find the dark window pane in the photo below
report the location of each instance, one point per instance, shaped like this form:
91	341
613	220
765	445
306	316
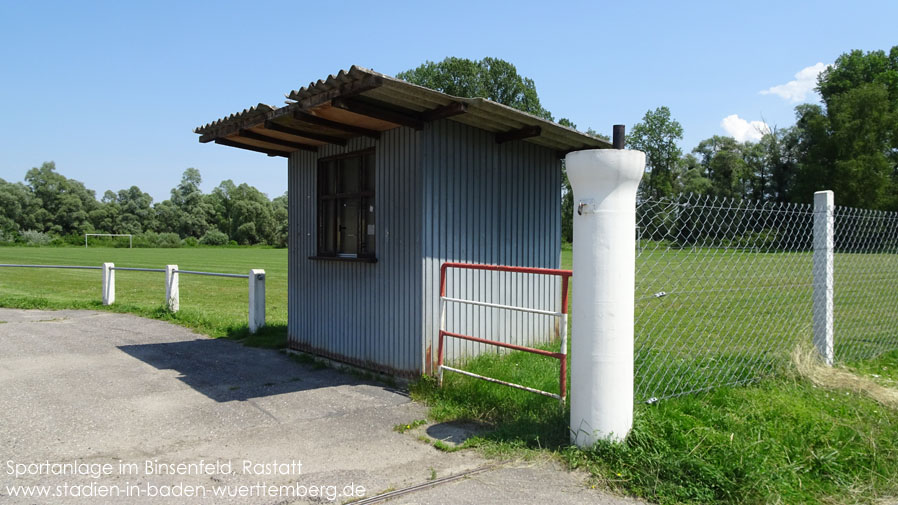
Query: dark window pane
327	238
332	175
368	227
369	173
348	226
350	172
346	221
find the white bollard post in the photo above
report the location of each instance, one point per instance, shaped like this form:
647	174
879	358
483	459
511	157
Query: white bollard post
108	283
256	299
823	274
604	182
172	295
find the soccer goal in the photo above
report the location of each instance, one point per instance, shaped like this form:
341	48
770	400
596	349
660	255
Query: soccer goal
130	237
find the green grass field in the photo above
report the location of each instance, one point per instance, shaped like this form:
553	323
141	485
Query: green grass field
214	305
727	317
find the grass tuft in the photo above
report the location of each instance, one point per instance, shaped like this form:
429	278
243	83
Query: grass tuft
808	434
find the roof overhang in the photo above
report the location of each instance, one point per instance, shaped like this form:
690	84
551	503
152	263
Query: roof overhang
361	102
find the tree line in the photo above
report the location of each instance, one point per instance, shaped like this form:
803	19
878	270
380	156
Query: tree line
48	205
848	142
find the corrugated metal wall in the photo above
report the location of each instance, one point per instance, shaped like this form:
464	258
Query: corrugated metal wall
489	203
367	314
447	193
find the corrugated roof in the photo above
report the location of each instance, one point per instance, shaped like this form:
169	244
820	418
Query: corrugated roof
252	114
322	99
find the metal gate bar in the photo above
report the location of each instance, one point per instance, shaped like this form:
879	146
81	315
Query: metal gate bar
561	356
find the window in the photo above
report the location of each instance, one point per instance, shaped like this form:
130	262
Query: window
346	205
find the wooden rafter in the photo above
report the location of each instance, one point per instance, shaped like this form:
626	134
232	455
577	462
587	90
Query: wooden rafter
380	111
274	140
240	145
519	134
452	109
330	139
305	117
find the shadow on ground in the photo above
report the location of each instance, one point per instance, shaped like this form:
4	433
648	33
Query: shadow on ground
225	370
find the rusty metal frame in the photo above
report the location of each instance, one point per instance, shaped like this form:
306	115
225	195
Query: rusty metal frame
562	314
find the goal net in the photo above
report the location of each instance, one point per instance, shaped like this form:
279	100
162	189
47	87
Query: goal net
108	239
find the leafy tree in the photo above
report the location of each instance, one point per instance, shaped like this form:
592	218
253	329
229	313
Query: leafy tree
731	169
693	177
106	216
166	217
18	208
136	209
657	135
780	163
192	209
221	204
279	214
252	220
214	237
65	204
491	78
851	142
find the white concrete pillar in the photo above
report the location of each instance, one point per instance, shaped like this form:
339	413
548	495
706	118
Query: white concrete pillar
172	295
108	283
824	206
256	299
604	182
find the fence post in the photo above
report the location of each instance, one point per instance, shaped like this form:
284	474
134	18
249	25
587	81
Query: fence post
823	274
172	296
256	299
108	283
604	182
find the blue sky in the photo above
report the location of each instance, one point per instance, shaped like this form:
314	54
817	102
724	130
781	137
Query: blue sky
111	91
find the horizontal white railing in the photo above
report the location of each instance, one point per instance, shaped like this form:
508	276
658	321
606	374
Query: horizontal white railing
172	292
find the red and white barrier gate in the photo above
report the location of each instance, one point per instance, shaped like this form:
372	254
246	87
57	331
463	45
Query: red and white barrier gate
563	315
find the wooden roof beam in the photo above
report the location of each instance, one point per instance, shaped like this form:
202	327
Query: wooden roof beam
519	134
278	127
239	145
453	109
378	111
274	140
305	117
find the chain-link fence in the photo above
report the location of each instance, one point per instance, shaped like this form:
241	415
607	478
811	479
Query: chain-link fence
866	283
725	289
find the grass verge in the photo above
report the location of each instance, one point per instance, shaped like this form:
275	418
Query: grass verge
211	305
809	434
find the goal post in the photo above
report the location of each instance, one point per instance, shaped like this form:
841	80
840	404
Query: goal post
130	237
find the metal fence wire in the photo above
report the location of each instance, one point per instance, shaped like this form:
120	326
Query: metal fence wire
865	297
724	289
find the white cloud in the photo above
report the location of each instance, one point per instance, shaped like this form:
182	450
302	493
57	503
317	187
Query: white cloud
798	90
743	130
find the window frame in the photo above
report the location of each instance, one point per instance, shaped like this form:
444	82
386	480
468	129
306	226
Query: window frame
362	196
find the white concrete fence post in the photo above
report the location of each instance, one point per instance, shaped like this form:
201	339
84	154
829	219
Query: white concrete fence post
108	283
172	295
256	299
604	182
824	225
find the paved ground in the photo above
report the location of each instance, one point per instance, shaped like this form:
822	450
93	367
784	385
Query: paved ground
86	389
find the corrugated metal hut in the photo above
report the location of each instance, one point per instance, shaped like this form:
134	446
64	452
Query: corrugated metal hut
387	180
